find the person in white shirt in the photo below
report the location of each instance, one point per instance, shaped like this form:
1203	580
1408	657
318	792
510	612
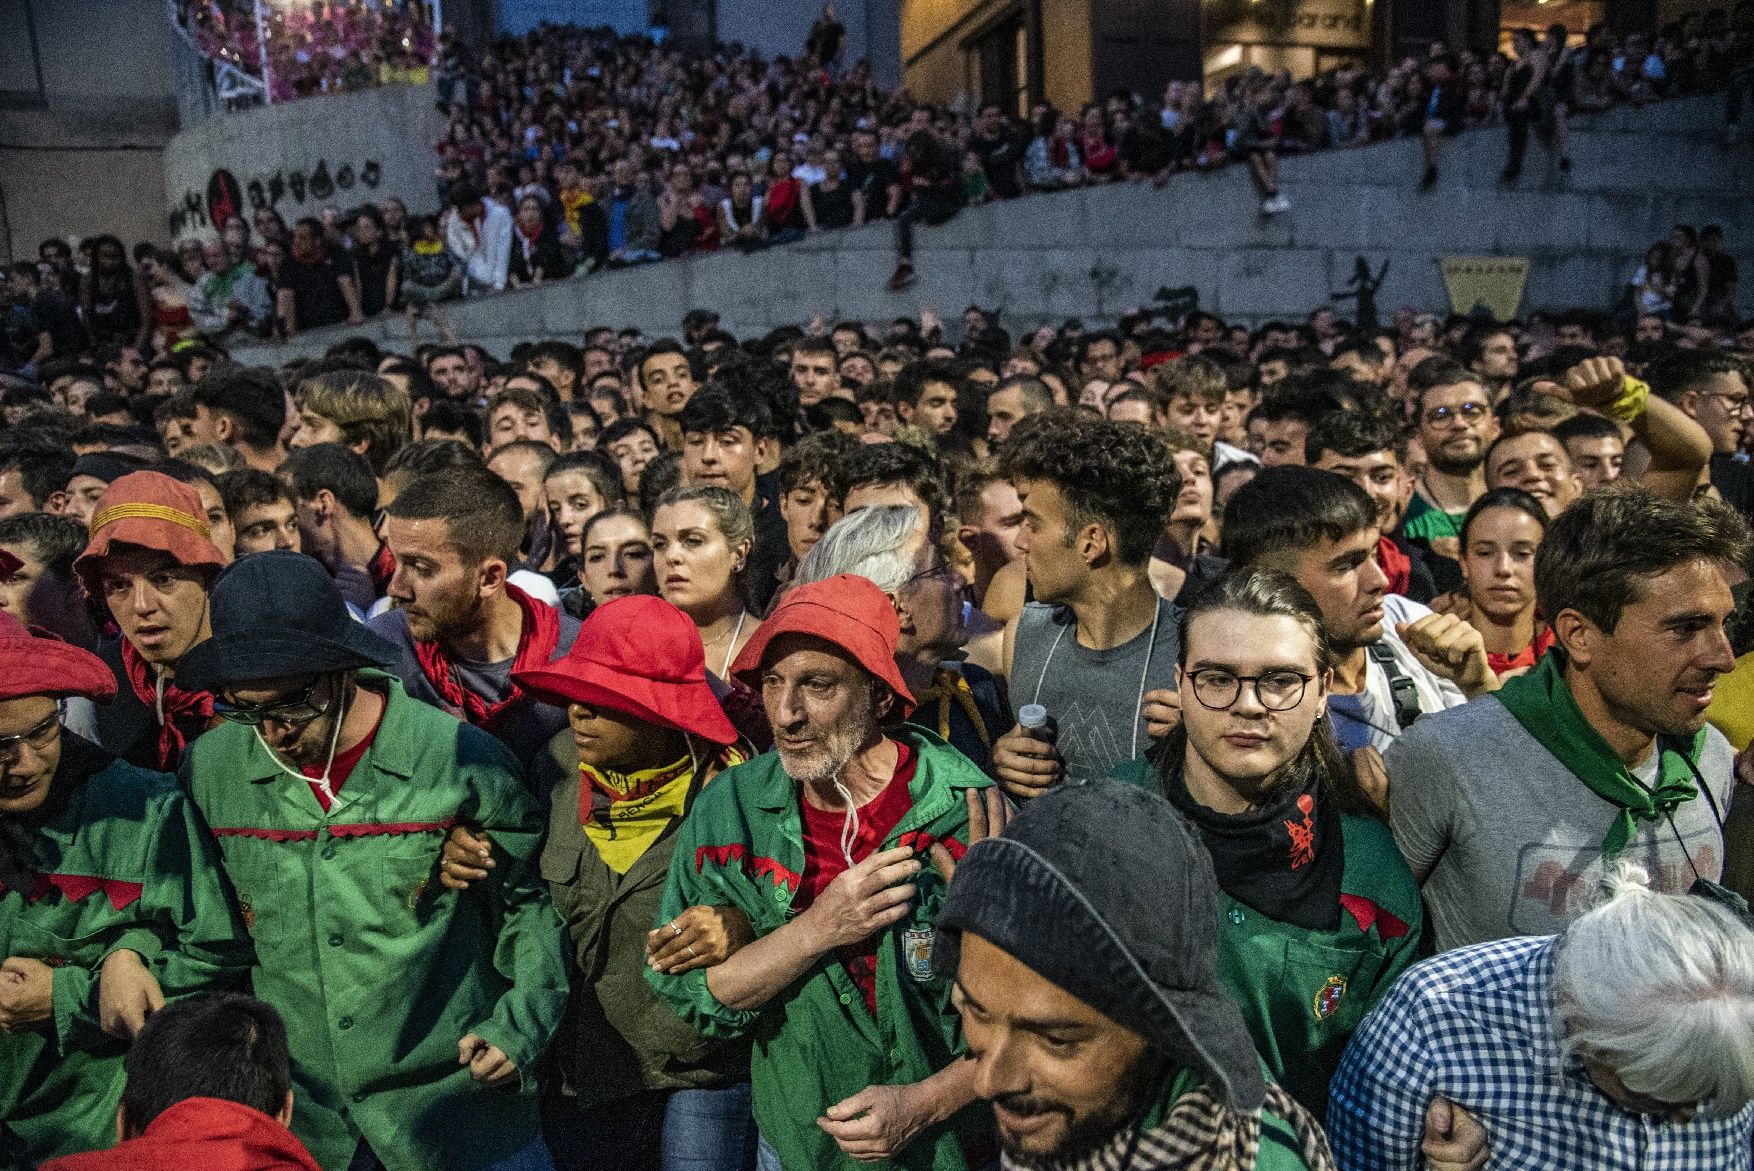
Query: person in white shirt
479	231
1394	659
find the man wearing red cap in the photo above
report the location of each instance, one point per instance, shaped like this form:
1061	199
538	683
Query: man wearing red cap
110	903
856	1048
150	563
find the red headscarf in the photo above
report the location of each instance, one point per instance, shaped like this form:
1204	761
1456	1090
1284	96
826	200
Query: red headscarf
536	643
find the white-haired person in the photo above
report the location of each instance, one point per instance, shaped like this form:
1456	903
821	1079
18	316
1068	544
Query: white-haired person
891	547
1627	1041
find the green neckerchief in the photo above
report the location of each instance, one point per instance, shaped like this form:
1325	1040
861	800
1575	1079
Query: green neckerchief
1543	704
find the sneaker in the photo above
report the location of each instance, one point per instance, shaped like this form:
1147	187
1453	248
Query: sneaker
904	276
1267	205
1430	179
1508	177
1280	203
1732	135
1565	164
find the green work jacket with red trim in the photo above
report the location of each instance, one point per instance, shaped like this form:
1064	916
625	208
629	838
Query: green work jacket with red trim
1303	992
816	1044
378	969
124	865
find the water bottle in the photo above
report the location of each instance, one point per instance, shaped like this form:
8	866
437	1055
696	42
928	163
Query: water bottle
1033	718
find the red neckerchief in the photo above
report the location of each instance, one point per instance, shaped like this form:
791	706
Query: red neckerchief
536	643
382	568
177	704
1395	565
528	238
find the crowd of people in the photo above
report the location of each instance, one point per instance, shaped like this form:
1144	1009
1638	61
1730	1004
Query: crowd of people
316	46
1171	745
570	150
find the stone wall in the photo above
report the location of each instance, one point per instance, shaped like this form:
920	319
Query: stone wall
368	145
1095	253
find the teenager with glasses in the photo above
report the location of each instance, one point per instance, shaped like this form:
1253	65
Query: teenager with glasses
1317	912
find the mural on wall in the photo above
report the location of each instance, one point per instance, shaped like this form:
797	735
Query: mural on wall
226	197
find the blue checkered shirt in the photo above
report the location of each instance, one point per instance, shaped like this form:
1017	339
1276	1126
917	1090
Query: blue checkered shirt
1476	1025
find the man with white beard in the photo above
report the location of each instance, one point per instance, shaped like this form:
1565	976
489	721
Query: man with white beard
857	1054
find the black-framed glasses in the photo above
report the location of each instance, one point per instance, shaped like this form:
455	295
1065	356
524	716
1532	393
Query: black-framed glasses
1278	691
1468	412
288	709
943	569
38	736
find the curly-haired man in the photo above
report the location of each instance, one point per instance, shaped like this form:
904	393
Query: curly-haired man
1096	646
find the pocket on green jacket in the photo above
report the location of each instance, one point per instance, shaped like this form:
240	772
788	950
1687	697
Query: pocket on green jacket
1333	983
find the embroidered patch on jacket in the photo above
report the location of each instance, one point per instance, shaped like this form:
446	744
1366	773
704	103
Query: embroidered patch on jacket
1303	833
1328	997
916	945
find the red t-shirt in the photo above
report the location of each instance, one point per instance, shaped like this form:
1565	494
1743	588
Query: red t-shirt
344	764
823	861
1525	657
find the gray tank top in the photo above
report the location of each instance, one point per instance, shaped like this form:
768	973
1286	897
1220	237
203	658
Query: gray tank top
1092	695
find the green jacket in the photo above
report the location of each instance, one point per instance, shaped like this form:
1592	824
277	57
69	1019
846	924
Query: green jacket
816	1044
1303	992
619	1036
125	866
377	968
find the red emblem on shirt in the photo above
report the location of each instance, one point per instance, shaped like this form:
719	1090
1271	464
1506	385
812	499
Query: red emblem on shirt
1303	834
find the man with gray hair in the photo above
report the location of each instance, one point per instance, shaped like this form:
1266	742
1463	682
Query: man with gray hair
891	546
1620	1043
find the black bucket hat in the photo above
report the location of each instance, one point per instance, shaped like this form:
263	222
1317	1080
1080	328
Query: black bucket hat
1103	890
276	614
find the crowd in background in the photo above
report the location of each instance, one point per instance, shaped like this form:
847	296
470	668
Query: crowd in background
319	46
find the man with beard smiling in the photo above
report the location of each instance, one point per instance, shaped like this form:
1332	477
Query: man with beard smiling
1082	943
461	628
151	561
1509	810
415	1015
856	1050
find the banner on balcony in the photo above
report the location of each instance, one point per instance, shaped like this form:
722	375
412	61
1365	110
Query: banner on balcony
1485	285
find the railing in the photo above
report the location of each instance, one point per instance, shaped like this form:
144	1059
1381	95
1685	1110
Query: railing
234	75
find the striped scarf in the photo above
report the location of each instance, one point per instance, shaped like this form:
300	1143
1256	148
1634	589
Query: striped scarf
1200	1133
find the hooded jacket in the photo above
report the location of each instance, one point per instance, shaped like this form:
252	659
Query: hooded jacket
210	1133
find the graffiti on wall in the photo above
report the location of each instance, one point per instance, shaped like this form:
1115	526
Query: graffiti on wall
226	197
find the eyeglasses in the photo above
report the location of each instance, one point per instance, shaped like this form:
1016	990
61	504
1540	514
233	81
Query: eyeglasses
942	569
1277	691
1469	413
1735	404
37	736
288	709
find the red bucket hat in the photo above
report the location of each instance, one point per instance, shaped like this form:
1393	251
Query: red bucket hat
30	665
149	510
640	656
845	610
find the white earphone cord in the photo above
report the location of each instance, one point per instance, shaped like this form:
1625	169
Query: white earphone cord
321	782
